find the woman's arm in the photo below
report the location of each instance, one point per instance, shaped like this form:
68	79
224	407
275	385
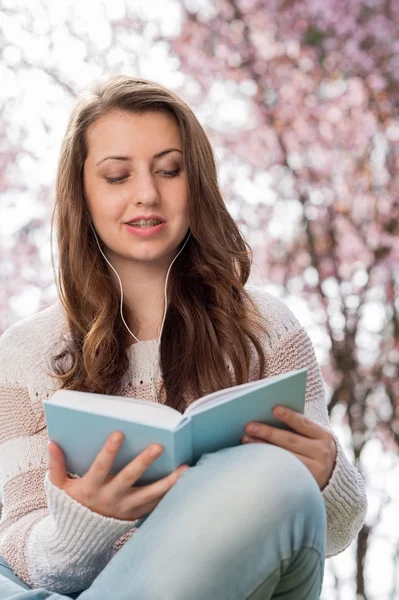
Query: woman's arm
288	348
344	495
49	539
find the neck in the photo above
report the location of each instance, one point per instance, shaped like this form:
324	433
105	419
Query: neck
143	293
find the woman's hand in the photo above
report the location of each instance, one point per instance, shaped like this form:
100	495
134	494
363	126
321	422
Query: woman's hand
313	444
113	495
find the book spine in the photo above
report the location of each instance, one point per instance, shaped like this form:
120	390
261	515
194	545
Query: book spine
183	444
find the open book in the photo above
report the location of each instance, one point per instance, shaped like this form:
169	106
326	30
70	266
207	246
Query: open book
80	422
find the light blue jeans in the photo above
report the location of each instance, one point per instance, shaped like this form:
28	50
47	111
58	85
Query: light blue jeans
245	523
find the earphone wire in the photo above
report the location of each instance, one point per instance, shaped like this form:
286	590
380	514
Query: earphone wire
153	387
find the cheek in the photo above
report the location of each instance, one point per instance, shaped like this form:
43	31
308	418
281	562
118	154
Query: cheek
181	214
106	205
180	203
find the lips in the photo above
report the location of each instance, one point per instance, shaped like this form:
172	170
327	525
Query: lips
146	218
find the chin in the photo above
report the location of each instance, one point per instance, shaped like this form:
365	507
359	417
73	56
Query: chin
150	257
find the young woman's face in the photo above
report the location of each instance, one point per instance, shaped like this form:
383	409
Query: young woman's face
144	183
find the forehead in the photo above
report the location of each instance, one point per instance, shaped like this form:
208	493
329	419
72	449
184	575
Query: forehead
136	133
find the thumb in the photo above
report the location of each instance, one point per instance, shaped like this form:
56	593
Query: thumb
56	465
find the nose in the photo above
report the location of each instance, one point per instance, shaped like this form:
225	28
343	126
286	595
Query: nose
145	191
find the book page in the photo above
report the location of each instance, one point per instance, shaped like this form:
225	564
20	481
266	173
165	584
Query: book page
228	393
128	409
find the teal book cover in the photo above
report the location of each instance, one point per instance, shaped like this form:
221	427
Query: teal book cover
80	423
222	425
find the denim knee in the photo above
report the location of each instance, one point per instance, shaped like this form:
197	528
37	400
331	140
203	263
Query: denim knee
270	485
228	523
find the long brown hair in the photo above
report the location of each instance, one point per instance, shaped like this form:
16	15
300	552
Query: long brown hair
210	321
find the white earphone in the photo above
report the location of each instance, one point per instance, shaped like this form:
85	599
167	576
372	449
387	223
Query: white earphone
154	393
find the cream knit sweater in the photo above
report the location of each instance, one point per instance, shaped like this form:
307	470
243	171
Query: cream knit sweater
52	541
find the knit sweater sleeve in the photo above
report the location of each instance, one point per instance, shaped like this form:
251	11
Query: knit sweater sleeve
288	347
48	538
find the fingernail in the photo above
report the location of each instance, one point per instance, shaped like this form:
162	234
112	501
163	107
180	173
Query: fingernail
253	428
116	437
156	451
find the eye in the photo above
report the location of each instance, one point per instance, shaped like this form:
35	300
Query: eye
115	179
120	179
171	173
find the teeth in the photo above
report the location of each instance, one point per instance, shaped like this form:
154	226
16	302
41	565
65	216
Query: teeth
145	223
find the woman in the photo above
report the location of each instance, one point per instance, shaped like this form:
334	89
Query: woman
154	305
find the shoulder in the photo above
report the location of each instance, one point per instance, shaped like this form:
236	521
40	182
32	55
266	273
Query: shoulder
27	343
279	321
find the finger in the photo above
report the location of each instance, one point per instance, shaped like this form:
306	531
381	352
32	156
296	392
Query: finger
309	462
56	465
300	423
156	491
285	439
142	511
247	439
135	469
99	470
173	477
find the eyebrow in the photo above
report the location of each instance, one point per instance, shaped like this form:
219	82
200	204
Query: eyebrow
125	158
